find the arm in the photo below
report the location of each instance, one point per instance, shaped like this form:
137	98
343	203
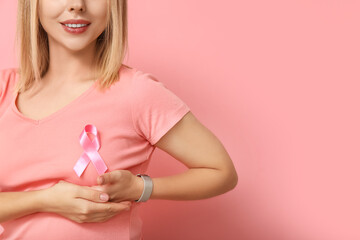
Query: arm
211	171
17	204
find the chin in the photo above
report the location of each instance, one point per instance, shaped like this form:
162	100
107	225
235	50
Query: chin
77	48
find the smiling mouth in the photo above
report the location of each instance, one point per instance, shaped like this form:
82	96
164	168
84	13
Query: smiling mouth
75	28
75	24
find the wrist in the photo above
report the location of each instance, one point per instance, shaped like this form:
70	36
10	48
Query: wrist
38	198
138	188
43	197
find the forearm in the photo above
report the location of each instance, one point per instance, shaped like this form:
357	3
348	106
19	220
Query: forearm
193	184
17	204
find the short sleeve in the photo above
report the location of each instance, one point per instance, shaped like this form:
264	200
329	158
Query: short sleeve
6	76
3	78
155	108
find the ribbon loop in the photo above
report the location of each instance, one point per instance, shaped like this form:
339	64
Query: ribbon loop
90	152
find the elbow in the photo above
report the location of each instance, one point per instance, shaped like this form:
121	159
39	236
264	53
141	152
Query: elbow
230	179
234	180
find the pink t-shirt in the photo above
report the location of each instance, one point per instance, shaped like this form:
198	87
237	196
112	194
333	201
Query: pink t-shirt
130	117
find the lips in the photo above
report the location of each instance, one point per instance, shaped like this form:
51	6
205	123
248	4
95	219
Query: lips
75	30
75	21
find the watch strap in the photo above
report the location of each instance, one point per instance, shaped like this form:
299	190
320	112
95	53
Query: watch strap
148	187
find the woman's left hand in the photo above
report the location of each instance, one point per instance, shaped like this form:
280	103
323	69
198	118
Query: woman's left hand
120	185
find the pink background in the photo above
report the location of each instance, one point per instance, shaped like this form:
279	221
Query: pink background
278	83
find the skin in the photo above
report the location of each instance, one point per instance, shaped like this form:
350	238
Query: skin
69	75
211	171
71	55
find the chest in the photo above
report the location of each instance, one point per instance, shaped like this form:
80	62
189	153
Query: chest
48	100
36	154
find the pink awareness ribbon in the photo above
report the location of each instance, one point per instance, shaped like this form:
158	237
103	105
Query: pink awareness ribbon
90	152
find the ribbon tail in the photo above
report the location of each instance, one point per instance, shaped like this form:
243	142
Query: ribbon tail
99	163
81	164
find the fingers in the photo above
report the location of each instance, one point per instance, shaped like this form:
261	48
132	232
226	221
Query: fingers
112	207
109	177
98	188
92	195
100	212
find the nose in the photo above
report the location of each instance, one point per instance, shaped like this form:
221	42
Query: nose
76	5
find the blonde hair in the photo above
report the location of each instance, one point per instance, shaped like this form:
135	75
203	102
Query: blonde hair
32	42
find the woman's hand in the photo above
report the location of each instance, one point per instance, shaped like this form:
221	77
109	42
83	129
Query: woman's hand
120	185
80	203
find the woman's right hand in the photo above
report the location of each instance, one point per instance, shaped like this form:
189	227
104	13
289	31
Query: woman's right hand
81	203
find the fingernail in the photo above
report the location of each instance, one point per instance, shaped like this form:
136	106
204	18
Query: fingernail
104	197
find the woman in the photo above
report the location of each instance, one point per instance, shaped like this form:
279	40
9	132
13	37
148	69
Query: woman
77	124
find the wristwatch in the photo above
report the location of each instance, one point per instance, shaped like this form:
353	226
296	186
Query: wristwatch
148	187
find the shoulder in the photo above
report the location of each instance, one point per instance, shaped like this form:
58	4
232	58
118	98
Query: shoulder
139	83
7	78
145	83
126	76
144	87
141	77
8	74
147	91
7	81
